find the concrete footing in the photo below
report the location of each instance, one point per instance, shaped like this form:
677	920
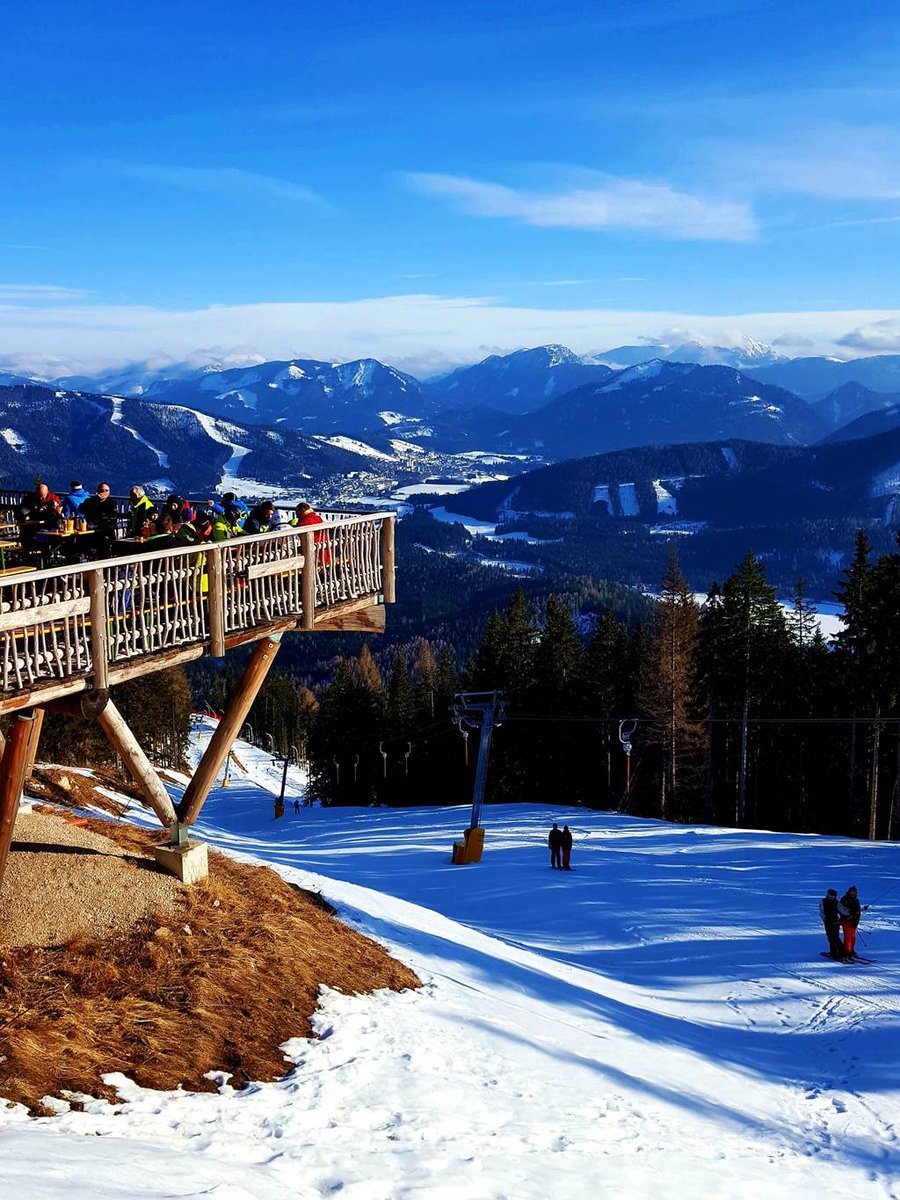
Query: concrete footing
188	862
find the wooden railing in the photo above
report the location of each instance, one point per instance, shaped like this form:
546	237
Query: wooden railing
85	627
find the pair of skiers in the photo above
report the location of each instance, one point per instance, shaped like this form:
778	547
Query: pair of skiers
560	843
841	916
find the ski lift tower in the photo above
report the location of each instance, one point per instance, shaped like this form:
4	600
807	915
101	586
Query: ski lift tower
477	710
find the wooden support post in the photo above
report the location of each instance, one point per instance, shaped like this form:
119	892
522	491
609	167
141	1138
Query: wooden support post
12	780
308	581
388	585
227	730
2	744
136	763
33	740
99	630
215	570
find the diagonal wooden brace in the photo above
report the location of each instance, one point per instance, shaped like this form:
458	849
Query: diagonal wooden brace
229	727
13	769
136	763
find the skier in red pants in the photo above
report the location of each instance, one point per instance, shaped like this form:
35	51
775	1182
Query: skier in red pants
849	910
566	844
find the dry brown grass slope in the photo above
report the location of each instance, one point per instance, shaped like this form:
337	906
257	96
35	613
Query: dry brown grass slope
214	977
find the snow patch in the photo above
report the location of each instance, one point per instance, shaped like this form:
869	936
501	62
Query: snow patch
15	440
628	502
665	501
356	447
886	482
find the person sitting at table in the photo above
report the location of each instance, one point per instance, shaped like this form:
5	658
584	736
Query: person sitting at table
262	519
163	538
305	514
143	512
77	495
198	530
101	515
38	513
227	524
238	503
175	507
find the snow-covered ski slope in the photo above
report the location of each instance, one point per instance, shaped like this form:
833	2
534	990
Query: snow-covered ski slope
656	1023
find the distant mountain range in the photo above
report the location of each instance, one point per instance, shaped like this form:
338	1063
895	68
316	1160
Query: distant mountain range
745	354
63	435
663	402
366	395
515	383
363	428
723	484
302	394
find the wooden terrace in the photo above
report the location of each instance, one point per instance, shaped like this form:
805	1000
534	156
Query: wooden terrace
68	634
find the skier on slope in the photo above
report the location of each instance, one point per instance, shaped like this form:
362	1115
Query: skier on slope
554	841
566	846
849	909
831	919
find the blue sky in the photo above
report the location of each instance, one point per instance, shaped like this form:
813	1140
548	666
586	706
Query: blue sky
431	183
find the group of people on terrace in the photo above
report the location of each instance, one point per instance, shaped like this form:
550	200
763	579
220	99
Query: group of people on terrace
47	522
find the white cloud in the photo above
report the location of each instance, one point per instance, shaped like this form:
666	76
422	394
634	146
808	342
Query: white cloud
611	203
841	162
409	329
224	180
42	293
880	337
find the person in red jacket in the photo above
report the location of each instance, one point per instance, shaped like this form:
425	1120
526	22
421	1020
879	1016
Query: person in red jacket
305	514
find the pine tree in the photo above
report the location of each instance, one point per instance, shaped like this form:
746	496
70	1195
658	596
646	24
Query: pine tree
553	744
401	704
558	663
349	726
424	677
855	649
603	689
447	682
802	623
745	646
669	694
366	671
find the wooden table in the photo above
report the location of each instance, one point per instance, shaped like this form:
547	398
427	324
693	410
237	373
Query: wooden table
6	544
54	538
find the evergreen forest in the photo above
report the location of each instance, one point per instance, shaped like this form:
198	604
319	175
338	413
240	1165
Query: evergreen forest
736	712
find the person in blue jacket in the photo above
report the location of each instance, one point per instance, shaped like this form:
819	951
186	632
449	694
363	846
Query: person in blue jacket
76	497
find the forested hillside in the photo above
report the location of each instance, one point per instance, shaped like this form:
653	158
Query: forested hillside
738	713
